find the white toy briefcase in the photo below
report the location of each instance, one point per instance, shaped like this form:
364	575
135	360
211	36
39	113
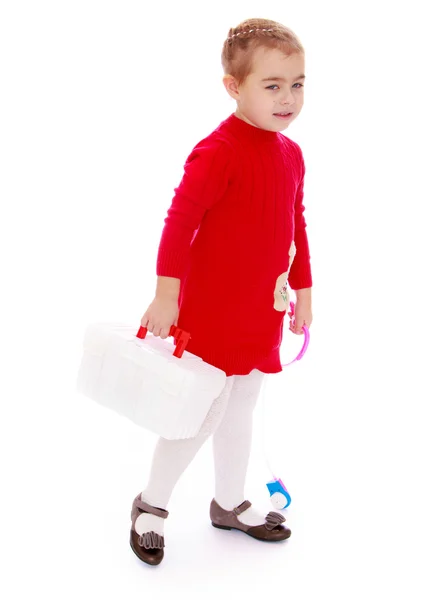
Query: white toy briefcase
163	389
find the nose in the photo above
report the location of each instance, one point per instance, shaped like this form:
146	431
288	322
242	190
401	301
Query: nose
286	97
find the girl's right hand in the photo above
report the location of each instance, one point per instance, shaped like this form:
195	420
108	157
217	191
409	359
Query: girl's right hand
160	316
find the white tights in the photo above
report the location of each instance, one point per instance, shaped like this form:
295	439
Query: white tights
230	421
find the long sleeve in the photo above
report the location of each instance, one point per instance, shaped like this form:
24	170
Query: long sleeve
231	223
300	275
207	173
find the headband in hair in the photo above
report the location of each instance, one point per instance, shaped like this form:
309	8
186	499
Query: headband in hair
250	31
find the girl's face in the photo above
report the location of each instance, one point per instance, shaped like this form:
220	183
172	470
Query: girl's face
275	85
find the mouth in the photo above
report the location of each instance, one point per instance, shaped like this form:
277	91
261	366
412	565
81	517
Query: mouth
283	115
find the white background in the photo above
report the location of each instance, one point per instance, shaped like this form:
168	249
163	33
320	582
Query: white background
101	103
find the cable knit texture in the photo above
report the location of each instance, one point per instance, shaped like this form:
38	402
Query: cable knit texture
227	236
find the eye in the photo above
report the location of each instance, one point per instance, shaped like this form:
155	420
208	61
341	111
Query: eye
276	86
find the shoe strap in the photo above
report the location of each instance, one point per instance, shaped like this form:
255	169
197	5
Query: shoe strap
242	507
152	510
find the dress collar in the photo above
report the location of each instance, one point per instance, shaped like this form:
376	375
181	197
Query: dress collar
245	131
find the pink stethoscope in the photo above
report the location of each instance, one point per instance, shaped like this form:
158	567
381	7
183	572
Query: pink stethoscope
280	498
305	341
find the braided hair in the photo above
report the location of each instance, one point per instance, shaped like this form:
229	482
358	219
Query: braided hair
242	42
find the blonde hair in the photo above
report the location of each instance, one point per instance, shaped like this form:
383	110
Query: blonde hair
243	41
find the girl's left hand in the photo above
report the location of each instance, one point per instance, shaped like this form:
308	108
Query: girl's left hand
302	316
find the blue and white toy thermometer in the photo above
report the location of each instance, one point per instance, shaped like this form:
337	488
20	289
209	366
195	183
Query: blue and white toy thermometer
280	498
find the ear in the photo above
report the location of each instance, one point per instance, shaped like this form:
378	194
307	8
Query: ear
231	86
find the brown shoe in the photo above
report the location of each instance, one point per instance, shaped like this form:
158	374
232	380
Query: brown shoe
149	546
270	531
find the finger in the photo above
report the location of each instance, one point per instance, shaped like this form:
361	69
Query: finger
298	329
156	331
163	334
144	321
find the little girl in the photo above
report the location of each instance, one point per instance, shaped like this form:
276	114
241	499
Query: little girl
233	239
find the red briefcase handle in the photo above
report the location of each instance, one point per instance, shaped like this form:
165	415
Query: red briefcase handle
181	338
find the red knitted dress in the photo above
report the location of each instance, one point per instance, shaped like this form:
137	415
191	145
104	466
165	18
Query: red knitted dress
229	235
